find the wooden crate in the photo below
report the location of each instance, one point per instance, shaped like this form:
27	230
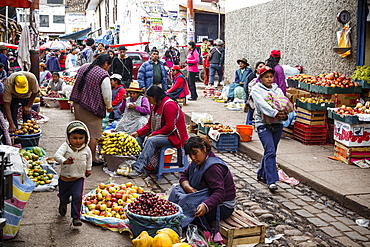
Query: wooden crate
310	117
241	228
288	132
350	154
181	101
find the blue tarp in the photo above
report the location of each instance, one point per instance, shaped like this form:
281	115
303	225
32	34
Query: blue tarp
75	35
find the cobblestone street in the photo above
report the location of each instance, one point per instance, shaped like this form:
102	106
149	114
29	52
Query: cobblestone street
305	217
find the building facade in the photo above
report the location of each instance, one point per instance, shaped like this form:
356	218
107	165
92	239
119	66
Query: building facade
304	31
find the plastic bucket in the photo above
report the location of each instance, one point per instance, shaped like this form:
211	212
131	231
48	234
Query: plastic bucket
27	141
245	132
64	105
168	156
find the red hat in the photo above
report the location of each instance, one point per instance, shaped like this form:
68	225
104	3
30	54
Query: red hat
266	69
275	53
176	67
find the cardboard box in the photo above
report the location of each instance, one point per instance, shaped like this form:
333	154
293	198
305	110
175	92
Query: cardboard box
294	93
345	99
352	135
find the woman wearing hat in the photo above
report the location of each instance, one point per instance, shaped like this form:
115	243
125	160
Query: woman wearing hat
279	77
240	76
135	109
118	95
269	132
180	87
45	75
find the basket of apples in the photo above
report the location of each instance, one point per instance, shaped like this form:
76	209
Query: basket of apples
104	206
150	212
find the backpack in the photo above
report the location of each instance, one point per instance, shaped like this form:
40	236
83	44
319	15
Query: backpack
82	57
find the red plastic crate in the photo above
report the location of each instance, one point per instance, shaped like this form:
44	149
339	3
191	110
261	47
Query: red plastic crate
311	134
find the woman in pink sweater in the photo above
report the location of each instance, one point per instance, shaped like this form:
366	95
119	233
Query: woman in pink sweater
192	61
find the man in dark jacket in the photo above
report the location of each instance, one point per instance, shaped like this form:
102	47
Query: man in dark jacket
53	63
216	61
122	65
152	72
3	58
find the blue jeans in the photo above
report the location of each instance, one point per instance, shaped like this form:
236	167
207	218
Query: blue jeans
150	146
270	139
74	189
212	72
14	105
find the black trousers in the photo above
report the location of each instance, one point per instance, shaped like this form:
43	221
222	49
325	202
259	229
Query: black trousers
191	84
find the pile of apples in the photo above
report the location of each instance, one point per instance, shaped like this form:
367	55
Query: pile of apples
219	127
359	109
333	79
109	200
314	100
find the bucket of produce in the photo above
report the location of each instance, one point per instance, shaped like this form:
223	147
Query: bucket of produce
245	132
151	213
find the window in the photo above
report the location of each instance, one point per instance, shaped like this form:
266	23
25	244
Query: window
58	19
136	58
44	21
24	17
55	1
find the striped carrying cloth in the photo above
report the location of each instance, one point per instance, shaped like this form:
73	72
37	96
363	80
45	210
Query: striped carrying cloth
13	211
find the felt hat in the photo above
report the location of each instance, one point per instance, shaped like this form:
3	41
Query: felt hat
275	53
176	67
266	69
243	60
116	76
21	84
134	87
43	65
2	47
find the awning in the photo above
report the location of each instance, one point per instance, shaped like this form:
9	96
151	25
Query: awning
16	3
75	35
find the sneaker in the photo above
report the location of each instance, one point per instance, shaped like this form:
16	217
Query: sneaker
62	209
76	222
136	174
273	187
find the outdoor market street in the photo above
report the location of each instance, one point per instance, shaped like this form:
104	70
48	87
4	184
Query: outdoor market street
304	216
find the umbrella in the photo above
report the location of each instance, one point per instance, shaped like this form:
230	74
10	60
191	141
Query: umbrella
24	58
9	46
56	45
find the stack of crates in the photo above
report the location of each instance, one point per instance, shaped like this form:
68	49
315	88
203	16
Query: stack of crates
228	142
310	134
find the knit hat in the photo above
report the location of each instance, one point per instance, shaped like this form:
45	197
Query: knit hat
21	84
134	87
75	126
275	53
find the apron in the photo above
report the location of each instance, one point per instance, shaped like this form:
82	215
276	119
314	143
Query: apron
132	120
116	113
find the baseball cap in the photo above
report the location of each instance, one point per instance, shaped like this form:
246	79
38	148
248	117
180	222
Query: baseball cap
275	53
116	76
176	67
266	69
21	84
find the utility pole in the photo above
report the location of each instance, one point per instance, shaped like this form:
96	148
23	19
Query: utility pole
190	21
34	23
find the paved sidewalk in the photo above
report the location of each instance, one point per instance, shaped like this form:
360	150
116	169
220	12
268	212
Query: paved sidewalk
347	184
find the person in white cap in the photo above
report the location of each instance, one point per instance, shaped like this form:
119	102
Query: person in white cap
119	94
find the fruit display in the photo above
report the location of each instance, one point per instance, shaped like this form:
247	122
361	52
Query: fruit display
333	79
314	100
37	174
119	143
28	128
35	115
359	109
109	200
164	237
149	204
34	153
219	127
53	94
362	73
68	80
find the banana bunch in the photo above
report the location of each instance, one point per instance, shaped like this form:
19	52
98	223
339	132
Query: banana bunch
124	170
119	143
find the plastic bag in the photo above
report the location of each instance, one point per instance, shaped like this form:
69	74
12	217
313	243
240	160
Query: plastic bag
198	117
344	39
193	236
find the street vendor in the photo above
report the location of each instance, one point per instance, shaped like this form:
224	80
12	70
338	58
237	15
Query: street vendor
135	109
21	88
240	78
56	84
166	127
206	187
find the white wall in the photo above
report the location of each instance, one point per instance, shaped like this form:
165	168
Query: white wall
51	11
231	5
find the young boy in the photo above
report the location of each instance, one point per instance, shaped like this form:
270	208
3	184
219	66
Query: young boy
118	95
3	73
75	157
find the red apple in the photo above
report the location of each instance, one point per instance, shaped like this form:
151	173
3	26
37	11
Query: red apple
109	204
118	195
